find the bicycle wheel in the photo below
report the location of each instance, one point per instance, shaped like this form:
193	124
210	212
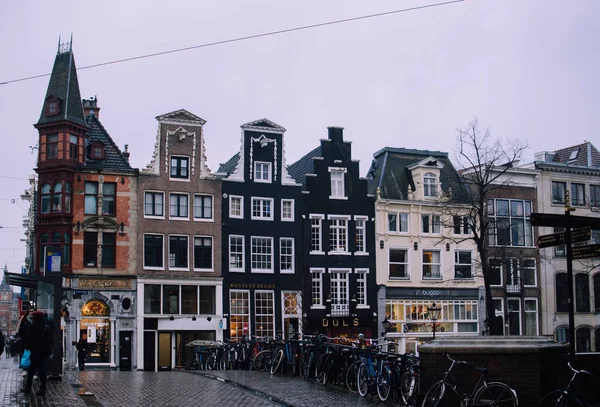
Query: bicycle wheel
352	377
277	361
362	379
409	387
383	383
262	362
556	398
434	395
495	394
320	367
305	365
211	361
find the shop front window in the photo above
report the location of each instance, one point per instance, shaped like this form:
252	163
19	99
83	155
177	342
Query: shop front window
95	328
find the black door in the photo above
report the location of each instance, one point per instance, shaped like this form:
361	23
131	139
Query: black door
149	351
125	339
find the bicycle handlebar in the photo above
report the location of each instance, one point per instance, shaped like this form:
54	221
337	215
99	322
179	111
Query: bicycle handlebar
579	371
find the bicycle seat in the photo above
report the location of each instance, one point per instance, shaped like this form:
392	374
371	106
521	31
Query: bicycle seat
483	370
345	350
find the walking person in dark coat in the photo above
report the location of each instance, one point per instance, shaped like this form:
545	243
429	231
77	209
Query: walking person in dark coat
26	320
82	349
39	341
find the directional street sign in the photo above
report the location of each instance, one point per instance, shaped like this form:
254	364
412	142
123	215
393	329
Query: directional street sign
558	239
581	234
586	252
558	220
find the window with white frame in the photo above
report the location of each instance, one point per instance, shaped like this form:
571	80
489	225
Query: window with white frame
595	201
264	313
513	275
361	288
397	222
316	233
510	222
338	234
236	207
398	261
337	182
463	264
286	254
178	204
558	192
203	253
287	210
154	204
291	304
236	253
239	312
577	194
514	316
262	208
429	185
153	251
431	223
529	274
203	207
339	291
361	234
495	272
460	225
499	312
431	264
178	252
261	254
179	167
317	287
531	317
262	171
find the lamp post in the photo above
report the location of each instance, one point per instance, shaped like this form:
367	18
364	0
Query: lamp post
434	314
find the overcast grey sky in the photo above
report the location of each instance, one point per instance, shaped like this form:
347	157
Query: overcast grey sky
527	68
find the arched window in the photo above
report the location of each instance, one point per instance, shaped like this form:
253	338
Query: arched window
562	293
582	340
57	198
582	293
45	198
67	195
597	296
562	334
429	185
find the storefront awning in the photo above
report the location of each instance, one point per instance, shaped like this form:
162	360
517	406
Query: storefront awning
21	280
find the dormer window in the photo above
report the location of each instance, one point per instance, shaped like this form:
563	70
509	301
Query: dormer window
429	185
338	190
574	154
52	106
179	167
97	151
262	171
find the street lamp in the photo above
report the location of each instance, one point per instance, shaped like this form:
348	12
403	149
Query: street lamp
434	314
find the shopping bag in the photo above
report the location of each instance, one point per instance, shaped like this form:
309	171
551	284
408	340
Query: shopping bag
26	359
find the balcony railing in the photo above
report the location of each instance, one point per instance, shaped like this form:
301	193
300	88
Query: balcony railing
340	310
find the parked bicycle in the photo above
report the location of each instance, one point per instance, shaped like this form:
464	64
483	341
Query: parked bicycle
483	393
569	397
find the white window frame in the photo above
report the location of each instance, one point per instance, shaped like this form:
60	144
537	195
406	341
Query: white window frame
463	219
187	159
281	255
399	216
212	208
163	205
431	217
245	294
144	252
212	253
297	312
508	312
432	264
457	263
291	218
180	218
362	278
501	272
319	218
237	269
364	219
257	270
525	312
407	269
339	277
241	198
534	269
342	229
339	194
427	185
262	201
316	274
269	172
187	254
267	317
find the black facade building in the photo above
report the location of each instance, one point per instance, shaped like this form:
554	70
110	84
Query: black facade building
339	246
262	237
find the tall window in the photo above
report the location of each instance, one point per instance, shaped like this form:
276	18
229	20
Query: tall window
178	252
582	340
431	223
152	298
577	194
236	208
397	222
45	198
531	318
514	316
582	293
264	313
154	204
461	225
236	253
109	249
208	299
317	287
239	312
203	253
398	263
316	237
153	251
262	171
52	146
463	264
91	198
178	204
109	197
287	210
338	235
90	249
431	264
203	207
73	147
562	292
558	192
429	187
337	183
529	274
361	287
361	234
597	295
595	199
286	255
67	197
510	222
495	272
262	254
189	299
560	251
339	293
179	167
262	208
170	299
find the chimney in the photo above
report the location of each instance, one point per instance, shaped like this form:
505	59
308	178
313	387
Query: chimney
336	133
126	152
90	107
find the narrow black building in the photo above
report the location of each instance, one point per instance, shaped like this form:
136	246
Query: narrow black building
262	285
339	246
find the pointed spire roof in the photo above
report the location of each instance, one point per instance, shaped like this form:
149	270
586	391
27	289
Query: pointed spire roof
63	88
